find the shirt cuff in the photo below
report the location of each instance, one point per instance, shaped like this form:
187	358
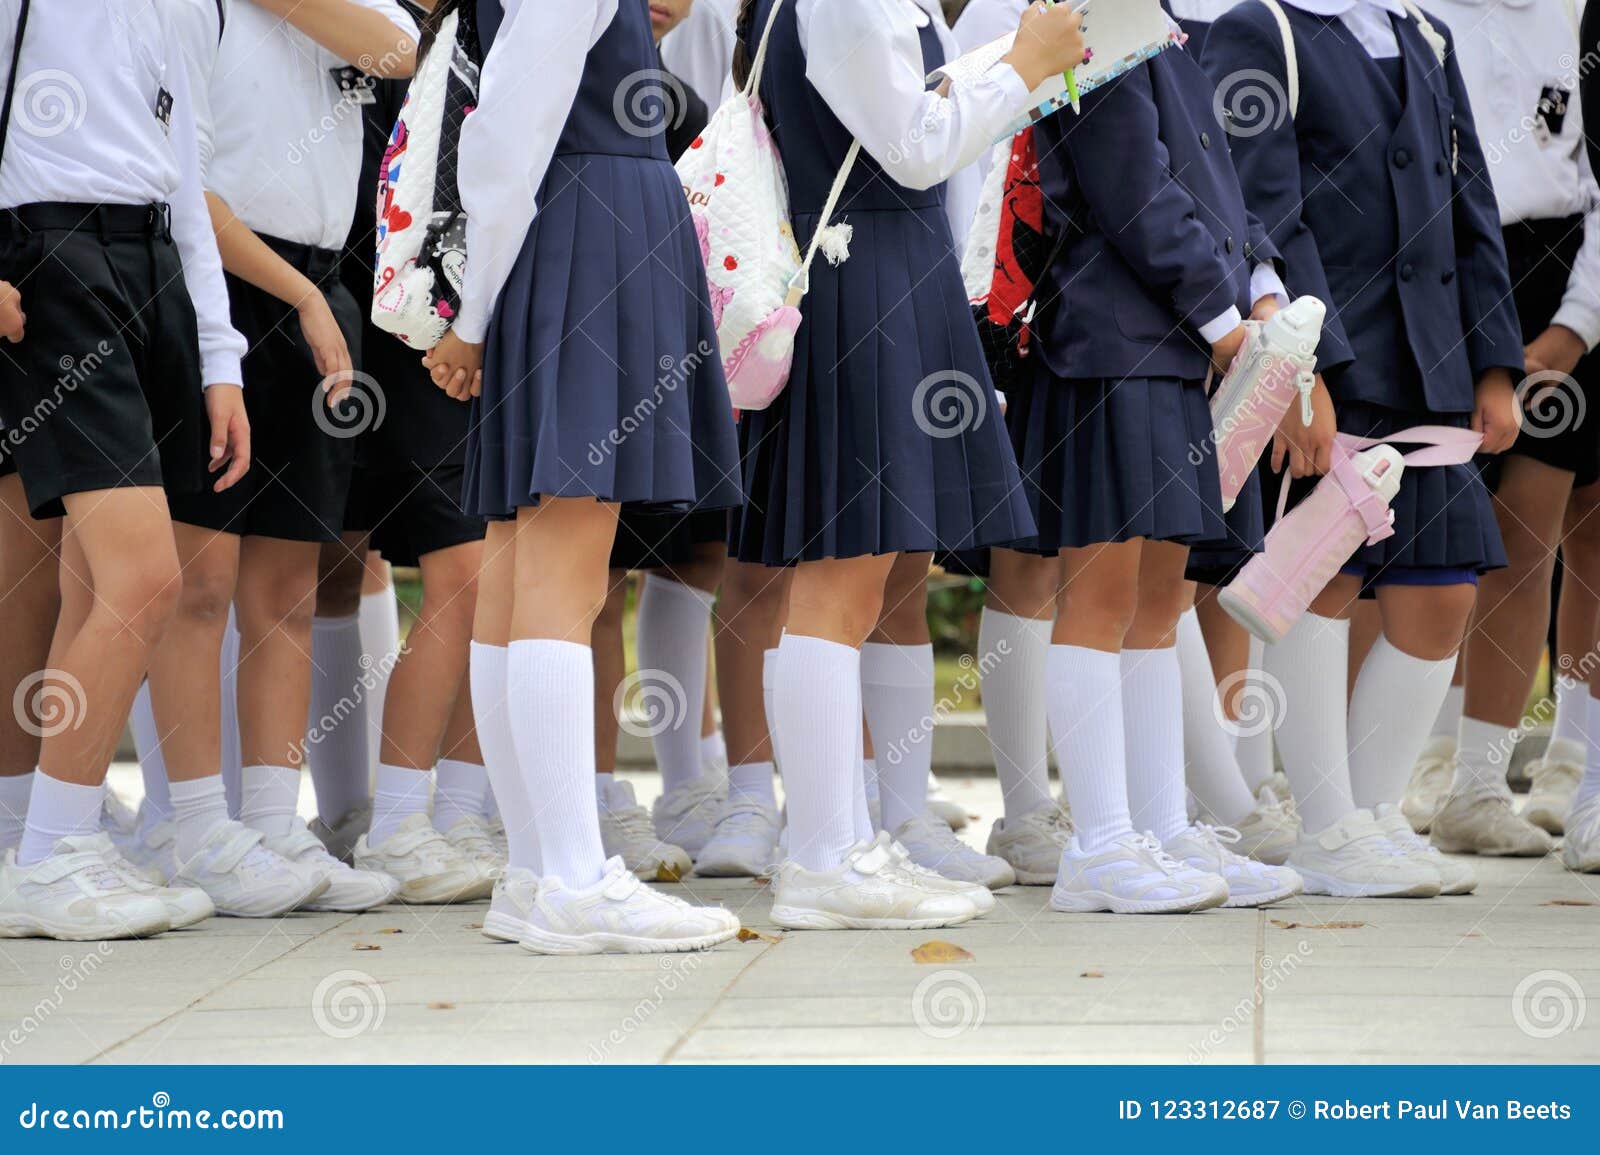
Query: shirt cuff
222	369
1006	79
1219	328
1265	282
471	325
1581	319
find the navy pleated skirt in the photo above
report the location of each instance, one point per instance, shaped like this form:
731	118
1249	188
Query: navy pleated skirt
889	437
1215	563
602	377
1443	519
1114	460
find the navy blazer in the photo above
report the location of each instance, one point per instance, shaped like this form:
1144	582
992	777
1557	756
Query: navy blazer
1380	205
1155	237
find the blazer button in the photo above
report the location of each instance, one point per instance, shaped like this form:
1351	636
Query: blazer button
1402	158
1249	251
1407	271
1205	140
1228	245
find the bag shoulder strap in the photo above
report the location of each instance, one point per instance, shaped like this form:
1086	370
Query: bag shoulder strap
1291	60
1444	444
11	79
1432	35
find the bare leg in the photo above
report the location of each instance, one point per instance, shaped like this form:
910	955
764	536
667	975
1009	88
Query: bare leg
610	668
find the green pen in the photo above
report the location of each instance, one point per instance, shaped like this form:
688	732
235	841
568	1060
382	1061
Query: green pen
1071	74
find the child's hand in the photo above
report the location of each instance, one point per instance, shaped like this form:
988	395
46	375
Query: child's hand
456	366
1049	42
328	347
12	318
1266	308
1557	350
230	434
1307	448
1226	349
1495	412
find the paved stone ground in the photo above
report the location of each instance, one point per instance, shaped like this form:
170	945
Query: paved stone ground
1498	976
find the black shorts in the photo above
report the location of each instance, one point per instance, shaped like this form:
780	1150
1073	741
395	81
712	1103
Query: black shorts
1564	433
104	391
303	453
412	512
652	539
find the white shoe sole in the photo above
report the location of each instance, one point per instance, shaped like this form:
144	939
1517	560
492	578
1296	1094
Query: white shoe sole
799	918
1250	901
288	906
504	928
1459	889
1034	877
181	919
604	942
1099	901
1548	814
443	890
30	926
1449	845
349	906
727	868
1330	886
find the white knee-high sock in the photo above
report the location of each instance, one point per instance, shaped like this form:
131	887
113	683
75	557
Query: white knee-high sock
58	810
458	792
343	690
152	763
232	759
1254	746
1212	766
818	704
550	688
1483	755
1589	784
897	692
271	798
1152	723
769	698
1448	719
1572	710
492	714
1392	708
1012	655
1083	699
1310	667
402	791
673	620
380	641
15	792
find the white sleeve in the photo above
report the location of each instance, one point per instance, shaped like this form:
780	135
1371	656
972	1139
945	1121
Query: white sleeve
865	58
199	65
983	21
1580	307
221	345
397	15
525	93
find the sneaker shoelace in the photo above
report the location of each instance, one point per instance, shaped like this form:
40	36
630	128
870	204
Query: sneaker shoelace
633	823
1151	845
1221	839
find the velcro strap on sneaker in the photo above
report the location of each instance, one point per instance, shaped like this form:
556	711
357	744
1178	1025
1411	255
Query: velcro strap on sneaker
871	860
58	866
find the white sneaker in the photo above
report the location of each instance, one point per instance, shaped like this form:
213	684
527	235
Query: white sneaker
868	891
1484	823
515	893
1430	782
349	891
497	837
149	856
744	842
1354	858
1032	844
948	812
185	905
1268	832
1580	850
931	880
428	868
340	837
74	895
1455	875
626	832
474	837
1132	875
1278	783
934	846
620	915
246	880
1555	780
686	815
1250	882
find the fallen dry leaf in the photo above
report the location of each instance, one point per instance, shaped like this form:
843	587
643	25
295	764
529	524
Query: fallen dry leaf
441	1006
748	935
365	946
474	926
940	952
1281	925
391	930
1567	902
1093	975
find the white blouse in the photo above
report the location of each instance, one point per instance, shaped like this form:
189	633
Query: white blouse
1367	20
529	80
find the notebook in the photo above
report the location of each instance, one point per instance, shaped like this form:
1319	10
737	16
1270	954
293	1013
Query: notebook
1120	34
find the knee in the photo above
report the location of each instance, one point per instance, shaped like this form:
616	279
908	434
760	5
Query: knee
1430	629
146	595
207	593
1581	544
1111	608
612	609
1525	550
287	601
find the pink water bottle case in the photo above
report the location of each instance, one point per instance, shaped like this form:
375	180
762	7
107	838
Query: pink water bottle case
1349	507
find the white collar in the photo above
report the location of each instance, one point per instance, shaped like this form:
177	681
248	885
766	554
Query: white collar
1341	7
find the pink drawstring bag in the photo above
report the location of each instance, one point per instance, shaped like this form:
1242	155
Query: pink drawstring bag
1349	507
